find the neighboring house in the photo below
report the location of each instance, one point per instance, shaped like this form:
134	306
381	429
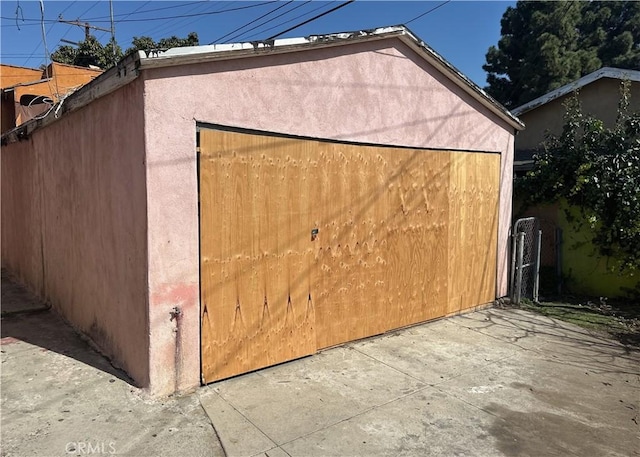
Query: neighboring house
599	95
208	211
28	93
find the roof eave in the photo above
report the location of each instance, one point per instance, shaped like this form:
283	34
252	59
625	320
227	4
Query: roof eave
110	80
604	72
129	68
461	80
211	53
202	54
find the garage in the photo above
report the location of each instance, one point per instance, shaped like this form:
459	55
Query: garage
306	244
203	212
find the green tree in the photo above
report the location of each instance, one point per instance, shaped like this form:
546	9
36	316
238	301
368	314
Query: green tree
545	45
145	43
89	52
597	170
92	52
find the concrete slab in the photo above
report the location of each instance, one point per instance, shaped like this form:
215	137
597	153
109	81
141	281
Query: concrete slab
435	352
495	382
239	437
275	452
427	423
61	398
16	299
498	382
563	410
303	396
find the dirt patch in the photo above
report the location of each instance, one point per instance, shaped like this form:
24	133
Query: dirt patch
618	320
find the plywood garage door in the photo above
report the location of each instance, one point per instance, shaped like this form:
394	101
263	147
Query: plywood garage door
308	244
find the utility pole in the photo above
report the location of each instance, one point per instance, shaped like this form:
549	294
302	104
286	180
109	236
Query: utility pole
86	25
113	34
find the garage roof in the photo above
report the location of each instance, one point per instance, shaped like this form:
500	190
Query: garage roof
129	68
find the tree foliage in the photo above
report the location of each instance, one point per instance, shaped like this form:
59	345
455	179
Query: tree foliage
89	52
92	52
597	170
545	45
145	43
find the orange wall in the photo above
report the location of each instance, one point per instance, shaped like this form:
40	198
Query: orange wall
64	78
11	75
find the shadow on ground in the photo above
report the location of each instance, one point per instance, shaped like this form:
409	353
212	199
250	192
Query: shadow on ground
26	318
60	397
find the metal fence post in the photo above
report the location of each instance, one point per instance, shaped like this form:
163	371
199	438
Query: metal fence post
519	249
512	289
559	259
536	280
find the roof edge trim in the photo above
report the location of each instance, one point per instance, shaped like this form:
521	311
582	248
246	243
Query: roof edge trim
105	83
604	72
210	53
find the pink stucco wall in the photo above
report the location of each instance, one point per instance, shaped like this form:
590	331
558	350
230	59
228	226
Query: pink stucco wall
377	92
74	222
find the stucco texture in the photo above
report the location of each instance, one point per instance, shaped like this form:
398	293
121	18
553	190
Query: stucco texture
378	92
74	222
599	99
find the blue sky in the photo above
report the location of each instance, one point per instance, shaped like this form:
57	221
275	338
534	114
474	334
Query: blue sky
461	31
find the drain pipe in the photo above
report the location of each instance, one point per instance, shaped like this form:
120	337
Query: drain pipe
176	314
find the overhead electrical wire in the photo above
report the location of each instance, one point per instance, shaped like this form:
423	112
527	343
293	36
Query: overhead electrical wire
427	12
48	31
238	35
310	20
19	13
217	40
46	53
125	16
238	8
171	25
182	5
288	20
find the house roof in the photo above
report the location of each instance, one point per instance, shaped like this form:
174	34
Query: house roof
605	72
129	68
30	83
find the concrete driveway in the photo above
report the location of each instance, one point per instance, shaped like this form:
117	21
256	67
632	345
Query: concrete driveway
499	382
62	398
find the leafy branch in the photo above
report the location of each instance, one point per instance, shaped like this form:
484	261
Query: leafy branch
595	169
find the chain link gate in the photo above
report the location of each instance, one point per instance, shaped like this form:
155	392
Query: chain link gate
525	259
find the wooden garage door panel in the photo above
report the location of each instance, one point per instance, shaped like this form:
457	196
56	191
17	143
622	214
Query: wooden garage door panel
404	236
255	254
383	257
473	230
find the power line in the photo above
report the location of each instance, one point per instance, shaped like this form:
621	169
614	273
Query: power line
288	20
268	21
310	20
48	31
125	16
169	25
148	11
238	8
251	22
46	53
427	12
